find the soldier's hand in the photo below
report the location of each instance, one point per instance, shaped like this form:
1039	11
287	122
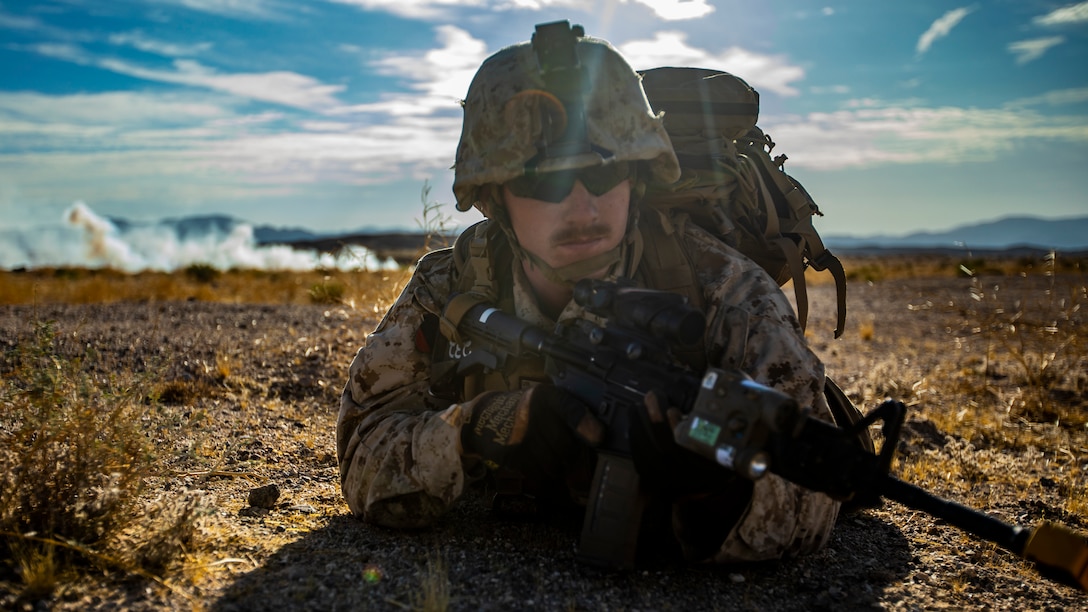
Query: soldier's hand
538	432
664	466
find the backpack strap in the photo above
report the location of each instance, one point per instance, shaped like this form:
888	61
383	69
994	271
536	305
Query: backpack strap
472	266
474	278
786	200
666	266
819	257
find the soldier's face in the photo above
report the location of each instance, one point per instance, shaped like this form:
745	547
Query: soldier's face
580	226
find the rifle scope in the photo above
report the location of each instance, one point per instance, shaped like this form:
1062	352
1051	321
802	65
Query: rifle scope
665	316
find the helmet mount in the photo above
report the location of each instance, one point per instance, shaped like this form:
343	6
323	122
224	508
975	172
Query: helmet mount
564	136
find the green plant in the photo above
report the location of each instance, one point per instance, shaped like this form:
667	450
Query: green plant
202	273
327	291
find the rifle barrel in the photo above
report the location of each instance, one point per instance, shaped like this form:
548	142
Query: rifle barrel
1010	537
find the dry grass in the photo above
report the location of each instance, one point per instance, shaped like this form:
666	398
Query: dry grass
357	289
877	268
434	589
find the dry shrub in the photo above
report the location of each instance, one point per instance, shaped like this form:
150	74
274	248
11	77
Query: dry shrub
74	459
74	443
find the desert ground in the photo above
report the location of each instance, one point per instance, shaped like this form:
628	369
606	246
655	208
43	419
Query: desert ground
991	364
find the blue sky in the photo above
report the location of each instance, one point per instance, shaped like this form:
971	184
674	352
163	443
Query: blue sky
331	114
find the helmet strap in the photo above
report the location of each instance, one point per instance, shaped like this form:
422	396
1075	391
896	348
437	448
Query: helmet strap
571	273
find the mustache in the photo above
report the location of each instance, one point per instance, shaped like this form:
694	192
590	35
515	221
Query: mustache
580	234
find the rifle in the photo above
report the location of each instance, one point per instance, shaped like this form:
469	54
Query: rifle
728	418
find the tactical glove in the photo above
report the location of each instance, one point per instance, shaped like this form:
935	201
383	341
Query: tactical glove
663	466
539	432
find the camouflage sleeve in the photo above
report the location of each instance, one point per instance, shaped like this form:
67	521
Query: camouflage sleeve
397	445
753	327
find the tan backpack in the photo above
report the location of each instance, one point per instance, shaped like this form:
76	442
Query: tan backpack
730	185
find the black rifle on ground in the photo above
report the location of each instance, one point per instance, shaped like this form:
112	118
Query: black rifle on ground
728	418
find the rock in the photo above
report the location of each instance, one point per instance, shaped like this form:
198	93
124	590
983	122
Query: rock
264	497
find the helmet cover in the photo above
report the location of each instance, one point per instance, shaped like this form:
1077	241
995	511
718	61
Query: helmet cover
521	119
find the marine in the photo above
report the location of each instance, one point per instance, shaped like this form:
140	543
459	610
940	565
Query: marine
557	148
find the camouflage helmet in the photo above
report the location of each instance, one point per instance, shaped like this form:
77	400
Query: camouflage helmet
563	101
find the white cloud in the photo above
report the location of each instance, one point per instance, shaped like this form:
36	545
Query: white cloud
360	156
411	135
15	22
942	27
764	72
138	40
245	120
1058	97
1074	13
61	51
441	75
534	5
112	109
1031	50
675	10
871	134
420	9
668	10
830	89
325	126
143	147
35	25
278	87
264	9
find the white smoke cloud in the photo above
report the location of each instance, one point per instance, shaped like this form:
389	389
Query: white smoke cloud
87	239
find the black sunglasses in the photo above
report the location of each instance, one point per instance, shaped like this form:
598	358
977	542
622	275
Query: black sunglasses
554	186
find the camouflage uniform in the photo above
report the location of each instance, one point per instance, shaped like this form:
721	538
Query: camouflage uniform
398	446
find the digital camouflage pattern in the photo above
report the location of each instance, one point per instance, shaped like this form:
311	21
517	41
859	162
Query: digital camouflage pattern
398	446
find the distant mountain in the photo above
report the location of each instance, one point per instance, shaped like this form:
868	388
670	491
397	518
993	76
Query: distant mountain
202	225
195	227
1069	234
267	234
